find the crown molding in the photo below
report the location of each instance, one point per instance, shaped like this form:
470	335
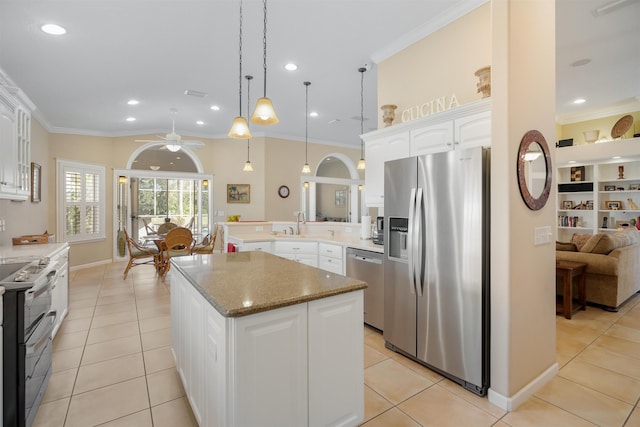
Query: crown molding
434	24
624	107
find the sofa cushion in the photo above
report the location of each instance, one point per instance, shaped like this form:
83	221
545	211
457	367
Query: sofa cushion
632	234
602	243
566	246
579	239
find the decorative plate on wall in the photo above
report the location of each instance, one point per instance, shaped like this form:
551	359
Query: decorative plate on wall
622	126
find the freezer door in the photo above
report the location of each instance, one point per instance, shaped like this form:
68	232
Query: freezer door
400	177
450	310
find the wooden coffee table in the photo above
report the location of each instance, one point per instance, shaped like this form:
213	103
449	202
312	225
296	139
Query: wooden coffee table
567	270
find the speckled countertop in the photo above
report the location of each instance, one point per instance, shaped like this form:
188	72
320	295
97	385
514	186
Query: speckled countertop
243	283
343	240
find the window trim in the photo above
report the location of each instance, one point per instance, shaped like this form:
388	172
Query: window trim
62	166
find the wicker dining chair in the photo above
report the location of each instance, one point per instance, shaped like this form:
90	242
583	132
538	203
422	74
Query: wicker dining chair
208	243
139	255
178	242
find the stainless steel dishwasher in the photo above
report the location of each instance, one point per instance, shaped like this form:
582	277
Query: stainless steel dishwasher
367	266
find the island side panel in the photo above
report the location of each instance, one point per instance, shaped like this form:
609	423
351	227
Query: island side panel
336	360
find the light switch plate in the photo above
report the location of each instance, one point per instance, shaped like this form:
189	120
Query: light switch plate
542	235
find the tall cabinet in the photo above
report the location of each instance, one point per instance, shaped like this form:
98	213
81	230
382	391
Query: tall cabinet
463	127
598	187
15	146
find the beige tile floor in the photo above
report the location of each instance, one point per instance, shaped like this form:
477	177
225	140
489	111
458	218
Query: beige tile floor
112	366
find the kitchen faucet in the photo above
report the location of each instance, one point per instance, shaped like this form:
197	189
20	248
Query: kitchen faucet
304	221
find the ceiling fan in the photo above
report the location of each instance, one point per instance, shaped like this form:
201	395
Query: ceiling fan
174	142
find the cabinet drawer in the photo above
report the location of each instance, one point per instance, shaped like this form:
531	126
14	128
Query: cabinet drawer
330	264
332	251
296	247
255	246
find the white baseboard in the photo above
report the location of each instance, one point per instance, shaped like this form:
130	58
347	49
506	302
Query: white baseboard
511	403
91	264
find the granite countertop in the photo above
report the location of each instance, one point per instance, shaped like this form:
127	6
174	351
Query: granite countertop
243	283
342	240
25	253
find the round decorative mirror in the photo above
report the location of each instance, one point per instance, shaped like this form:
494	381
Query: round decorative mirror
534	170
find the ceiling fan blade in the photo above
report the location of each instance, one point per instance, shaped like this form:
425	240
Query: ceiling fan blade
147	140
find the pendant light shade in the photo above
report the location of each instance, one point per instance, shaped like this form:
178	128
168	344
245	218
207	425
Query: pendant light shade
240	127
264	113
361	162
248	167
306	168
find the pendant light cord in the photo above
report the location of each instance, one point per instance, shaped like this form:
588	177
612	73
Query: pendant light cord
306	123
362	70
240	72
264	45
248	77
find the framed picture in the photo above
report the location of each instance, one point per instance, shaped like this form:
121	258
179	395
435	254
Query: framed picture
36	182
609	188
238	193
577	173
633	186
341	198
567	204
613	205
589	205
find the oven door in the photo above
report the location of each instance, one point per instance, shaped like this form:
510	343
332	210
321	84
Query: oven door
37	302
38	349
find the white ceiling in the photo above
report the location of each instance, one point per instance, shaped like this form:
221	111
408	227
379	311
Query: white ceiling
154	50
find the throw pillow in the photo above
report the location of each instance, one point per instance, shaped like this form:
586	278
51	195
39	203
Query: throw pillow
566	246
579	239
599	244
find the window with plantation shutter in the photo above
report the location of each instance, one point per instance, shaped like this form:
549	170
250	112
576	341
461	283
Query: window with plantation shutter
81	189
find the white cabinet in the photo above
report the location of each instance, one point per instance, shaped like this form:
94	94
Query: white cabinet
60	292
293	366
303	252
331	258
255	246
463	127
378	151
470	131
15	146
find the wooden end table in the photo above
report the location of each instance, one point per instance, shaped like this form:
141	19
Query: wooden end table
567	270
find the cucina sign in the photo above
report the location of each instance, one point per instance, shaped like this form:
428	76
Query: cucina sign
436	105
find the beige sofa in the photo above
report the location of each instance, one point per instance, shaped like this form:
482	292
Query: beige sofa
613	265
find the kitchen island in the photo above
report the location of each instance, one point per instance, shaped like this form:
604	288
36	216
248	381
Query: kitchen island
262	340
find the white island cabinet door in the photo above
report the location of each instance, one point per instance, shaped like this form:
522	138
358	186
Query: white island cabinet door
270	372
215	370
336	376
196	338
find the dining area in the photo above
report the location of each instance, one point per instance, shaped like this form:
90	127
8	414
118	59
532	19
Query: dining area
158	248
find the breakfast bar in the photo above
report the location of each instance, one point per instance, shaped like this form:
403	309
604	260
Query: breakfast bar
262	340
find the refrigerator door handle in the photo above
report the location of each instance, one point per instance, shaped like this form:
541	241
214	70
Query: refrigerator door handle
419	244
410	240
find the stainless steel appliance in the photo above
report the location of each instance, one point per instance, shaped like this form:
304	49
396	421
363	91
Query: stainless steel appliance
436	269
27	344
378	236
367	266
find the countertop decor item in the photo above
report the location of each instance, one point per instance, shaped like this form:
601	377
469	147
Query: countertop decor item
484	85
388	114
622	126
591	136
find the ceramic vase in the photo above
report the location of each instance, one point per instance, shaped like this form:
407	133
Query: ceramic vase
388	114
484	83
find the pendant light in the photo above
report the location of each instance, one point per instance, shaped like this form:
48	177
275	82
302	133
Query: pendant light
248	167
361	163
264	114
306	168
240	127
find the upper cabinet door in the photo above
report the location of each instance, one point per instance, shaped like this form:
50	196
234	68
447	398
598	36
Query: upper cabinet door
432	139
8	159
377	152
473	130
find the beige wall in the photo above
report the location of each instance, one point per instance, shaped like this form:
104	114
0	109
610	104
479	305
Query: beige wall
26	217
439	65
604	125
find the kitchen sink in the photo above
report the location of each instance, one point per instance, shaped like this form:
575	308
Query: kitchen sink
7	270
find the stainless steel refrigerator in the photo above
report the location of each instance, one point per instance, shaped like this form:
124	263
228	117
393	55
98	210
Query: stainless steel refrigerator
436	266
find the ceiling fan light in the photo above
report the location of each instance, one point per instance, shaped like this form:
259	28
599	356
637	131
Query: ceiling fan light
240	129
361	165
248	167
306	168
264	113
173	148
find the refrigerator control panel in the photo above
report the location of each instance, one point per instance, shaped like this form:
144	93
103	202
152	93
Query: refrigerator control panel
398	228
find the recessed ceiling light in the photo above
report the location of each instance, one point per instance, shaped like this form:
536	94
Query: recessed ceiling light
313	114
571	161
171	163
615	157
291	66
215	108
580	62
200	122
178	157
131	119
579	101
133	102
53	29
154	168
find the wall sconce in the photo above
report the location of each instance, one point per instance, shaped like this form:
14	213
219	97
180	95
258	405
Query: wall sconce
122	179
306	184
205	183
360	186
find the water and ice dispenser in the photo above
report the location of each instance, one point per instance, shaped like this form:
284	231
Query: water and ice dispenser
398	228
